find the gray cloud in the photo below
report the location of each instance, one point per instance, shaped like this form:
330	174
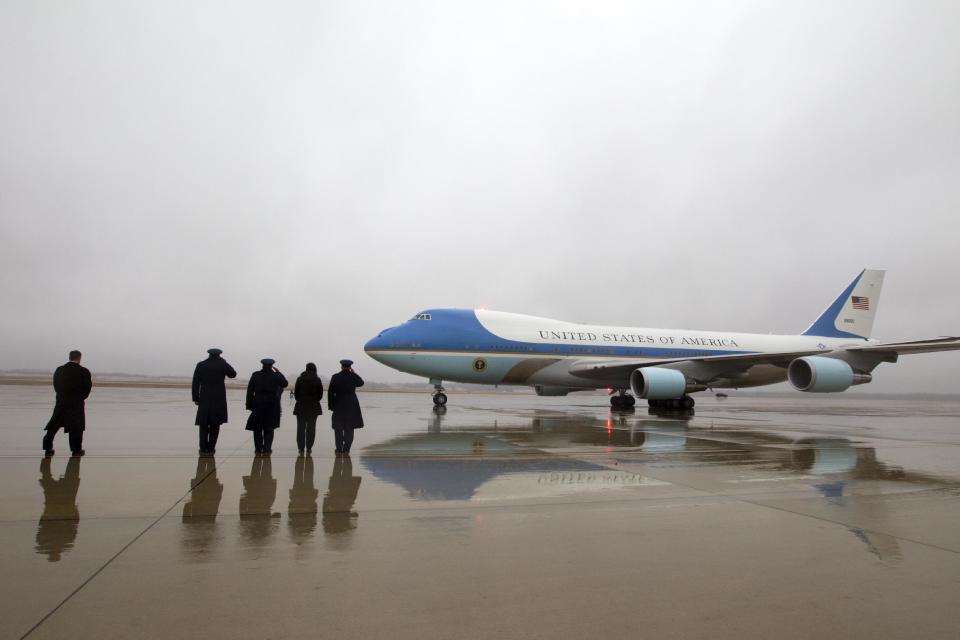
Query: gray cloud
288	180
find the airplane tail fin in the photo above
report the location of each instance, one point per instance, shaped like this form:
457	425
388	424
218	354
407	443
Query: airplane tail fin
851	314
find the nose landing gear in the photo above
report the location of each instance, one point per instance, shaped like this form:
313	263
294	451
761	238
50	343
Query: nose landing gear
439	397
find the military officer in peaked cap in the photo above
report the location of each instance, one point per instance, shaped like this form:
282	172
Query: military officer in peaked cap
210	396
342	402
263	402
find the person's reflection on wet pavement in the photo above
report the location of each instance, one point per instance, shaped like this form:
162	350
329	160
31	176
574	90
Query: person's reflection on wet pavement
259	491
338	516
302	511
57	528
200	512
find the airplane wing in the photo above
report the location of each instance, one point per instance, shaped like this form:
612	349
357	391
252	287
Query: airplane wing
707	367
916	346
602	370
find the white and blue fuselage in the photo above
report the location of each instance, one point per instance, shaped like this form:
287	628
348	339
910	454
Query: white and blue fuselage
494	347
491	347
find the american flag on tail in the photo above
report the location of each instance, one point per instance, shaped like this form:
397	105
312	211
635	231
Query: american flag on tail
860	302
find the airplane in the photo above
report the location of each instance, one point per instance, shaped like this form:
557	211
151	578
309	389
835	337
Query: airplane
662	366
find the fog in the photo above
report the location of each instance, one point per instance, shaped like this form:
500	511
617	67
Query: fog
287	179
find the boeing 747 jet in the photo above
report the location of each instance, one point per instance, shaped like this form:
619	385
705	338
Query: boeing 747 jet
662	366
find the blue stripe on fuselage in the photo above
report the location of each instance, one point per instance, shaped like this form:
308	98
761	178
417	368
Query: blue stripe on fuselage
459	330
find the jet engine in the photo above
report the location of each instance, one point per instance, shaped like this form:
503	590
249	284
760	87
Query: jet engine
544	390
658	383
817	374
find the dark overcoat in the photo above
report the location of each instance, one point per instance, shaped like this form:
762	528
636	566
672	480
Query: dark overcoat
263	399
73	383
308	391
342	400
209	392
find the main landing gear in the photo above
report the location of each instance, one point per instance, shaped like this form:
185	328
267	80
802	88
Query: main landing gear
685	403
439	397
622	400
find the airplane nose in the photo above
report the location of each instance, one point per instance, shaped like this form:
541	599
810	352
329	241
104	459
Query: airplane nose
373	344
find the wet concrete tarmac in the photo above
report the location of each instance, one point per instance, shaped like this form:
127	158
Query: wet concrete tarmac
506	516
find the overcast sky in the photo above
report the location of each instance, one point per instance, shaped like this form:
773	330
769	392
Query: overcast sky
285	179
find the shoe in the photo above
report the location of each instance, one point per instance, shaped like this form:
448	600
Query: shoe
300	452
309	451
268	452
79	454
48	453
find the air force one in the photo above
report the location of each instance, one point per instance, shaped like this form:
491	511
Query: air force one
662	366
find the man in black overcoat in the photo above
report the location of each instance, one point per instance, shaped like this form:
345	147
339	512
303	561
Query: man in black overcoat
342	401
73	383
263	402
210	396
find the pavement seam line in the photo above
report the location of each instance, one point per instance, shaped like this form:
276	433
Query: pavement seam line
844	524
126	546
804	515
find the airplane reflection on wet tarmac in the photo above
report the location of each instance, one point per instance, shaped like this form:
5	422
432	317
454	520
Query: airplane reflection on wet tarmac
547	457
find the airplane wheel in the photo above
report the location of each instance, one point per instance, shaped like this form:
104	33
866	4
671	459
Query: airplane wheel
440	399
616	402
630	401
687	402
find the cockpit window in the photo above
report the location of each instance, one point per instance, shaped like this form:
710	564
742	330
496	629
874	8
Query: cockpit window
422	316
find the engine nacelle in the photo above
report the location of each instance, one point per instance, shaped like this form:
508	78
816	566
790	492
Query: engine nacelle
816	374
657	383
544	390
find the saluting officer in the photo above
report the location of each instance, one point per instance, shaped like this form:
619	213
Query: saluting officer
210	396
263	403
342	402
